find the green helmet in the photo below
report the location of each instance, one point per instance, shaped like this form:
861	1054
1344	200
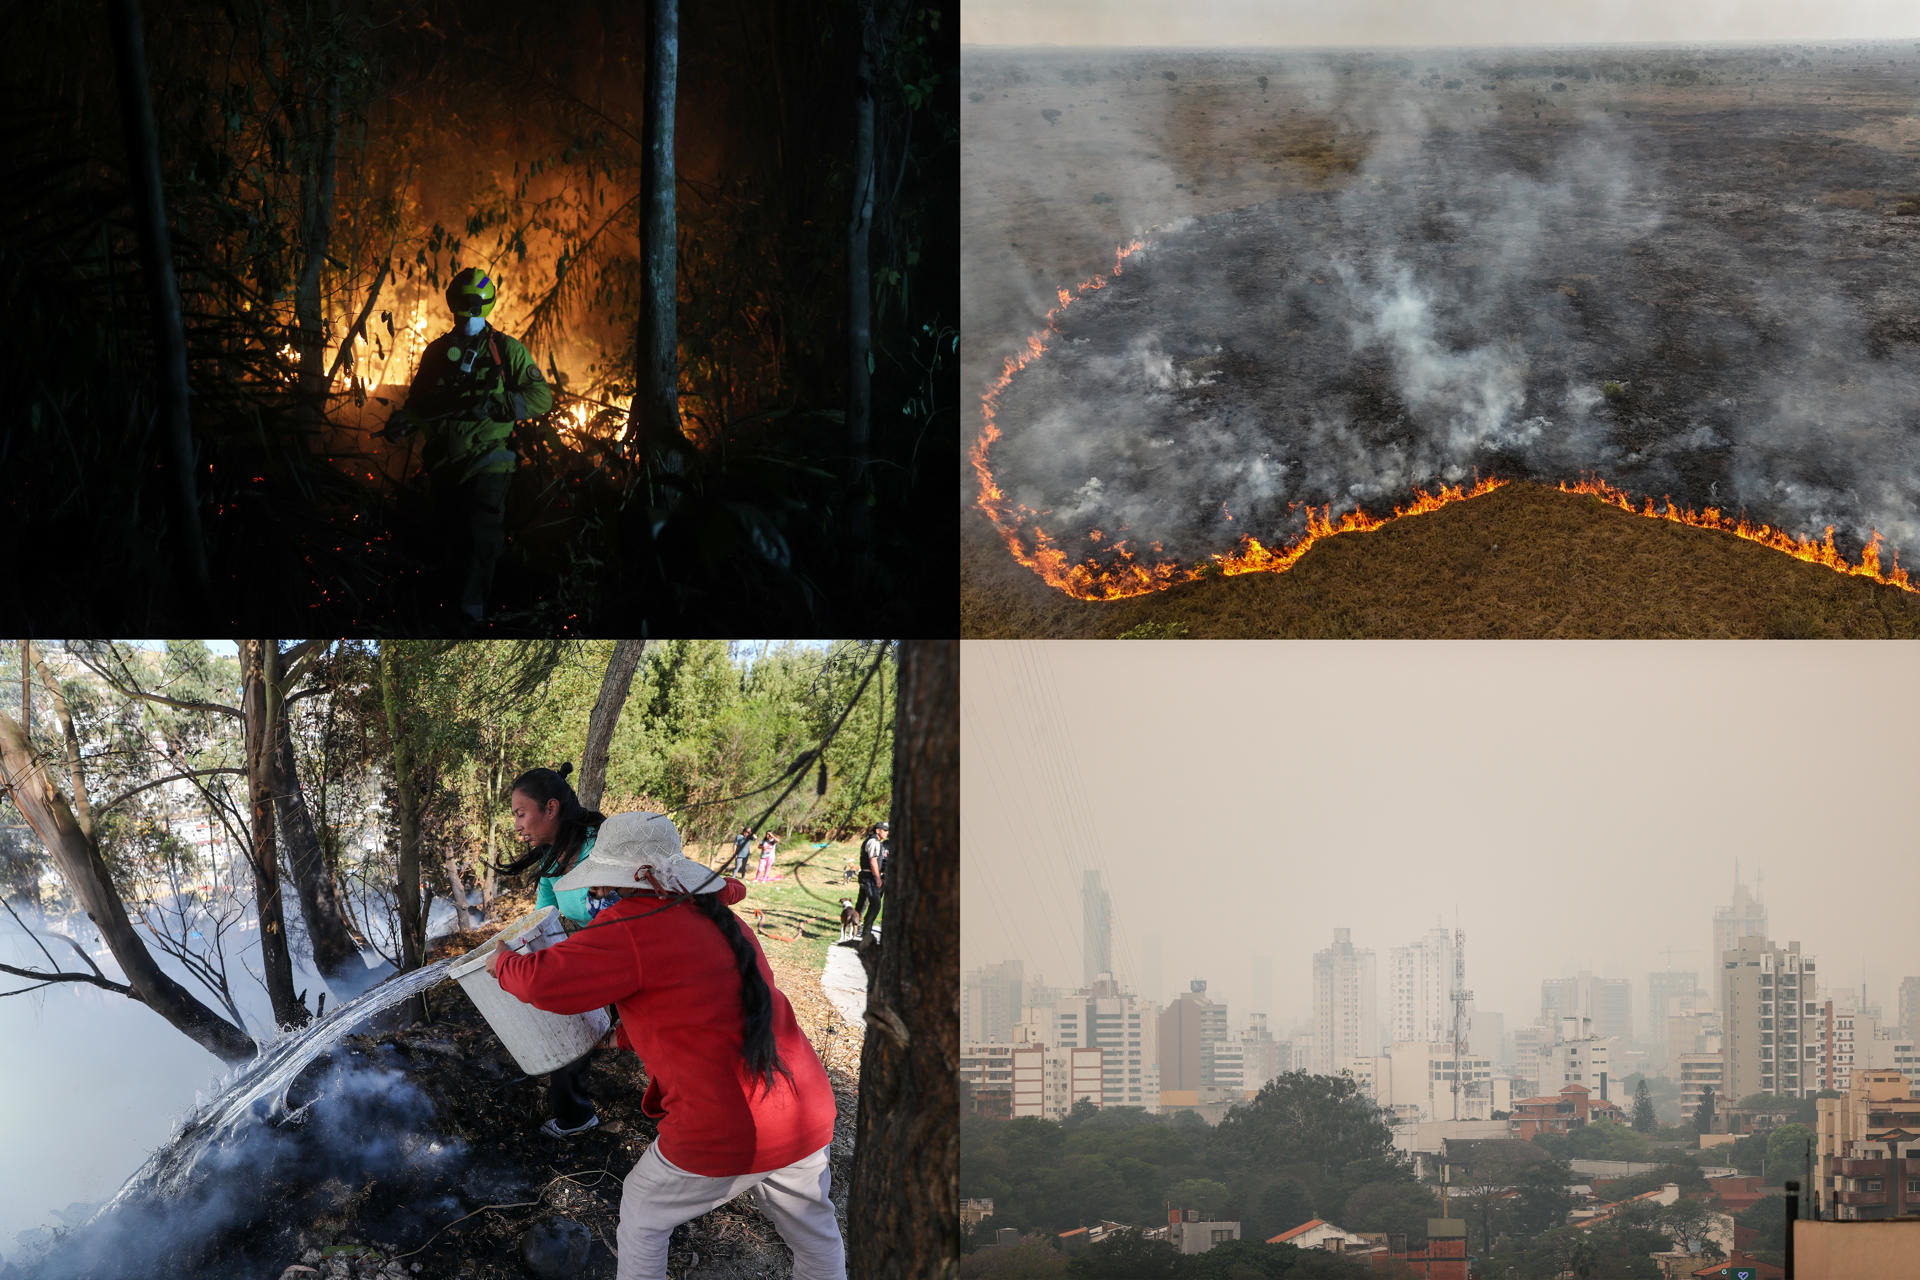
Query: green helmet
471	293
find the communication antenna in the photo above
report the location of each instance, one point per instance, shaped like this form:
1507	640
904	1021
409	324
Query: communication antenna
1461	997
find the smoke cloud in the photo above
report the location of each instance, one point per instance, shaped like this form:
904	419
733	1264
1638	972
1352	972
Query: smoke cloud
1528	265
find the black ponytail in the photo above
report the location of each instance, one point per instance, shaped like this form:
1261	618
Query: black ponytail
576	822
756	997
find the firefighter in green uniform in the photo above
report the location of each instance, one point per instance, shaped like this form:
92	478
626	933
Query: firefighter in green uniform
473	385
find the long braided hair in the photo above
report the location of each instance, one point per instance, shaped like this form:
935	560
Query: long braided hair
756	997
576	822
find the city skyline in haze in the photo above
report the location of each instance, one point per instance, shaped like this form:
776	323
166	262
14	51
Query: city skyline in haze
1580	806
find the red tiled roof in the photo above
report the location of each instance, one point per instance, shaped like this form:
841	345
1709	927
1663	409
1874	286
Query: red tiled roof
1285	1236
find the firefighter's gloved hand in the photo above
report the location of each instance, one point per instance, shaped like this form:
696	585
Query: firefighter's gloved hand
400	426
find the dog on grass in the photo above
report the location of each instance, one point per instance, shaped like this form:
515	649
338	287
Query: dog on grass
849	919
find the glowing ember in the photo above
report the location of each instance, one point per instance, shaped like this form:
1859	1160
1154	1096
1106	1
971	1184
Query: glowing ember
1128	575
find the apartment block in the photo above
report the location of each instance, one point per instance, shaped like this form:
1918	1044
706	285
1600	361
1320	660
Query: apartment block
1773	1028
1420	988
1346	1020
1700	1072
1125	1028
1868	1149
1096	932
1744	917
990	1002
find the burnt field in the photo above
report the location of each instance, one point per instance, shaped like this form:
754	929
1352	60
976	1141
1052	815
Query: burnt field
1691	274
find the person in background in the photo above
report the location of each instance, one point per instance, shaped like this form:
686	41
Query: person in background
559	831
872	876
769	847
742	1102
742	850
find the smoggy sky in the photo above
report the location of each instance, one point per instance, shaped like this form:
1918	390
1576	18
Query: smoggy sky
1580	804
1242	23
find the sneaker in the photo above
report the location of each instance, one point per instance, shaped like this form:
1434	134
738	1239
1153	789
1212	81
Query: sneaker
553	1130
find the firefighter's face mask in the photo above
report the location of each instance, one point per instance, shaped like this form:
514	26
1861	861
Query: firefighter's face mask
467	326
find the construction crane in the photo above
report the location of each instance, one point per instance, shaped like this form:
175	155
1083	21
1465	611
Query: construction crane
1461	998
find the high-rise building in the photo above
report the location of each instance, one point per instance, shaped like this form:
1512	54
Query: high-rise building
1125	1028
1096	918
1346	1021
1150	988
1910	1009
1420	989
1487	1036
1668	993
1262	987
1773	1020
1576	1055
1192	1028
991	999
1262	1055
1606	1002
1744	917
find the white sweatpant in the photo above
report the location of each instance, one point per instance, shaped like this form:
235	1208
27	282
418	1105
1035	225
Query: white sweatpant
660	1195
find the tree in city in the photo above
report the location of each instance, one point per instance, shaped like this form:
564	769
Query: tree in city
1126	1255
1767	1219
1688	1222
1787	1154
1703	1116
1028	1258
1207	1196
1396	1208
1643	1117
1325	1123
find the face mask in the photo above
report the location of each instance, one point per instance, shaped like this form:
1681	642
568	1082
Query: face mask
470	325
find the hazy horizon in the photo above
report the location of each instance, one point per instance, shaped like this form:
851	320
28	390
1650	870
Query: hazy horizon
1581	806
1244	24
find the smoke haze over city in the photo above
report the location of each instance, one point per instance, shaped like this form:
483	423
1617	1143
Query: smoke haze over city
1570	806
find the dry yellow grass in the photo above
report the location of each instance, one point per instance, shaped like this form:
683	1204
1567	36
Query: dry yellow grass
1524	562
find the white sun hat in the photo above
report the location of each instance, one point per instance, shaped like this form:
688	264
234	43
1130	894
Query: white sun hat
640	851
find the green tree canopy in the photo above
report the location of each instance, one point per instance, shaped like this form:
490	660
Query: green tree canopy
1323	1122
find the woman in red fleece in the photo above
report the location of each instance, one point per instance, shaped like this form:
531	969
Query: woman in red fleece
739	1095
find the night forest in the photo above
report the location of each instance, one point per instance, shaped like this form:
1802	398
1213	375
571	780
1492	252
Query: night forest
725	233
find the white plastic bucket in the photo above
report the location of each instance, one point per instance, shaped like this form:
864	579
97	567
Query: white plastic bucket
539	1041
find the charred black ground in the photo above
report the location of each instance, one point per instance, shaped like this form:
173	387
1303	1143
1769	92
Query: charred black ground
1693	274
420	1148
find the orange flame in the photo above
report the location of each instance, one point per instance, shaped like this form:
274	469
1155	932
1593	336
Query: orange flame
1128	576
1820	551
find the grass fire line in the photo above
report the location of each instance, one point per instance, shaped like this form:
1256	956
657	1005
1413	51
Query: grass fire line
1127	574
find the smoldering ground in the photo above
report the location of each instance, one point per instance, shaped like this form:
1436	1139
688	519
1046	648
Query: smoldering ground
357	1139
1691	274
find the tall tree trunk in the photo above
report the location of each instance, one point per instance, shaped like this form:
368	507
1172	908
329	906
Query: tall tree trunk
163	294
260	705
408	904
653	420
906	1165
606	714
317	184
333	946
47	811
859	277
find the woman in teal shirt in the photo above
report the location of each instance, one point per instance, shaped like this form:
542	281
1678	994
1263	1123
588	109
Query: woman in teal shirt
549	817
